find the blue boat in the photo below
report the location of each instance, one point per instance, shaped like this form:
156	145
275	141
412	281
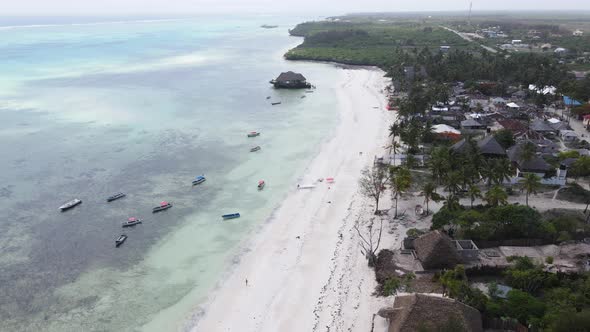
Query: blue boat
230	216
198	180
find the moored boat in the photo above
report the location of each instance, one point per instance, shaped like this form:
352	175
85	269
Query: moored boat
254	149
261	184
230	216
163	206
119	241
276	103
131	222
253	134
199	179
70	204
115	197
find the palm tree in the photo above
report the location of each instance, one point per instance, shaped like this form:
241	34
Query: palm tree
528	151
473	192
452	202
530	183
496	196
502	170
487	172
453	182
430	194
401	179
394	131
439	162
395	146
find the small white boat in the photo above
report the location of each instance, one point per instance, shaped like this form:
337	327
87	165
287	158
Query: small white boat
70	204
253	134
254	149
305	186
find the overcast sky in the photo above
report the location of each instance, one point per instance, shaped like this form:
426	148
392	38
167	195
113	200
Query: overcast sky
329	7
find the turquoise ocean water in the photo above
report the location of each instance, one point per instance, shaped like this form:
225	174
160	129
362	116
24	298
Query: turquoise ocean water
97	106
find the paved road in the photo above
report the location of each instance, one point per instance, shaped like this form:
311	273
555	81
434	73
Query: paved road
467	38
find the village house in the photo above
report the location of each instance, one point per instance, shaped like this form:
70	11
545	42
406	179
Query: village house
513	106
543	128
518	128
291	80
578	33
558	125
425	312
568	135
470	125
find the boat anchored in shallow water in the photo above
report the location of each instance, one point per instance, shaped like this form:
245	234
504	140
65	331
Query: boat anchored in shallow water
119	241
163	206
261	184
230	216
253	134
115	197
254	149
132	222
198	180
70	204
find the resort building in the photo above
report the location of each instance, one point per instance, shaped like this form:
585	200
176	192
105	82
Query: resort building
428	312
291	80
436	250
488	147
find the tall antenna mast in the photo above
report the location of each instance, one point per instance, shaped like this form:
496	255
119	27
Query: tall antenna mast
470	7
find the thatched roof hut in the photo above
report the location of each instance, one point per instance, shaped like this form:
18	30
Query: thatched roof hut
436	251
420	312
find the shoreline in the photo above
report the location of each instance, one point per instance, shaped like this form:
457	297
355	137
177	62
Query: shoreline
291	262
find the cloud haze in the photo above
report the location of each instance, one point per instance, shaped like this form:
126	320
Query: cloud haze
89	7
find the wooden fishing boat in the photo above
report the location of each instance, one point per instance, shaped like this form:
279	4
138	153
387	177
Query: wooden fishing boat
276	103
253	134
119	241
254	149
198	180
115	197
163	206
230	216
131	222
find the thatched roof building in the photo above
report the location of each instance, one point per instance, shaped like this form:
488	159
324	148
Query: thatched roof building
429	312
290	80
436	250
487	146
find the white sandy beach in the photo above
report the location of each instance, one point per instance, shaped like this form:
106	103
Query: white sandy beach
302	275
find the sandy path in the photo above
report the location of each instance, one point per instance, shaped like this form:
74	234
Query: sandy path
315	281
